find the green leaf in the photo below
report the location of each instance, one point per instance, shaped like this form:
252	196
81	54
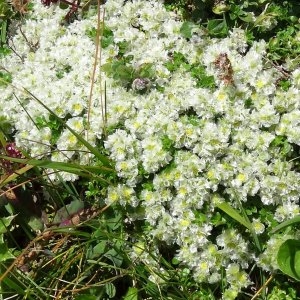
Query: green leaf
5	129
14	285
86	297
247	17
59	166
288	258
233	213
3	31
294	221
110	290
217	28
115	257
36	223
107	37
146	70
106	41
63	5
186	29
203	80
4	50
175	261
4	223
132	294
5	78
115	222
68	210
99	249
5	253
123	72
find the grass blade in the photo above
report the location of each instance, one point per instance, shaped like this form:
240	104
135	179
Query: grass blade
233	213
59	166
15	175
295	220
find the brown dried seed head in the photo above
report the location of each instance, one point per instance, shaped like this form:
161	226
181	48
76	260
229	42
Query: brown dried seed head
224	68
20	6
10	195
75	220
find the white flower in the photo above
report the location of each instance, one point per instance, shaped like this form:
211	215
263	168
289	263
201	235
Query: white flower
128	169
265	116
122	194
289	126
76	124
296	77
286	101
287	211
153	155
258	226
121	145
178	150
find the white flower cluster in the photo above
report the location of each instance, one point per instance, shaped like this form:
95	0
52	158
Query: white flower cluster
200	145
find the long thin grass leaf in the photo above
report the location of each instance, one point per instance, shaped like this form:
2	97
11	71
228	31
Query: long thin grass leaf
15	175
2	139
14	286
59	166
233	213
251	229
294	221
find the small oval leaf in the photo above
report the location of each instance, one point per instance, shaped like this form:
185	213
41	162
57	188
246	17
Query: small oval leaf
132	294
110	290
288	258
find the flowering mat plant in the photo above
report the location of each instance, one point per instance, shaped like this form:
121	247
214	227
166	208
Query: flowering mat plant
200	140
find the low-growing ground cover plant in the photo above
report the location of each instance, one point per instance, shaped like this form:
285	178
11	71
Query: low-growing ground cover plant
203	134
